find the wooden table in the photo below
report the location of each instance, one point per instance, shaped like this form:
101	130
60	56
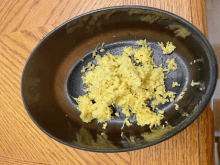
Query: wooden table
23	23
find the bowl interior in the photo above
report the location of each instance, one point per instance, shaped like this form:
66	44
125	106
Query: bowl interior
52	76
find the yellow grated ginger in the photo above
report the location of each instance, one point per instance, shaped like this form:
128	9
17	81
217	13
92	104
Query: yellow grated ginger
118	80
168	49
175	84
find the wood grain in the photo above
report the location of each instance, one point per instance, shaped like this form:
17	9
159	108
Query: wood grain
12	161
205	121
22	25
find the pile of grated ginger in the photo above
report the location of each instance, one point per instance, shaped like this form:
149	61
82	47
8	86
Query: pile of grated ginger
131	81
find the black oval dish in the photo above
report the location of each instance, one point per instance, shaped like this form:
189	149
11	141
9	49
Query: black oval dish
52	76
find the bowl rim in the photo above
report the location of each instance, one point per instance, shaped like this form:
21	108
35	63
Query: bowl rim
212	85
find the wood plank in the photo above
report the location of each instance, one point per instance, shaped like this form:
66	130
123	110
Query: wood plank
18	15
12	161
182	149
199	16
205	121
206	137
18	132
23	25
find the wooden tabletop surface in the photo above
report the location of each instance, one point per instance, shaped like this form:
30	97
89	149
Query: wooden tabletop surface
23	23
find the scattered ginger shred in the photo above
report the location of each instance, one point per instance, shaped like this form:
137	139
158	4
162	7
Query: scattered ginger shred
104	126
169	47
175	84
171	65
102	50
194	83
83	69
176	106
179	31
182	94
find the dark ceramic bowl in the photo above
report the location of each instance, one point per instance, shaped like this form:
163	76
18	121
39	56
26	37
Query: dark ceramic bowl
52	75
